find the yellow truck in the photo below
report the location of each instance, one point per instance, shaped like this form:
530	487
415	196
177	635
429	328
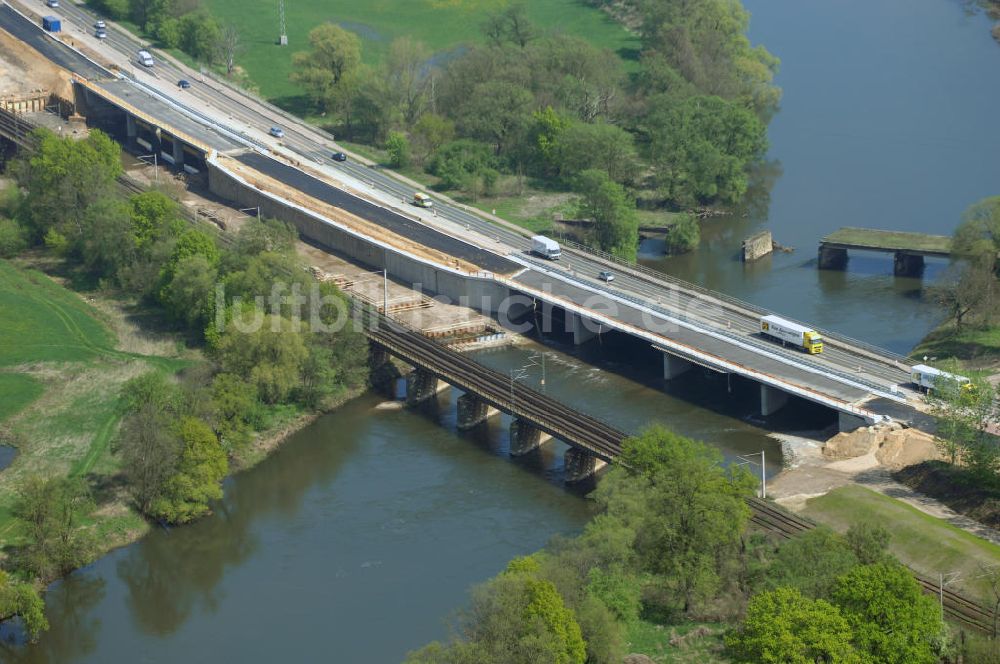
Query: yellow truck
788	332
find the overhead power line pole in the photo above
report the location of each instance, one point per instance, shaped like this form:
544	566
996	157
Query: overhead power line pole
283	36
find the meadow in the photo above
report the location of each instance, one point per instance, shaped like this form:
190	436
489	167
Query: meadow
444	25
61	371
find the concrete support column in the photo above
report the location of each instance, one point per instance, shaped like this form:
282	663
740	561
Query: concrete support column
421	386
525	438
131	131
579	465
178	152
473	411
382	373
907	265
583	329
832	258
543	317
848	423
674	366
771	399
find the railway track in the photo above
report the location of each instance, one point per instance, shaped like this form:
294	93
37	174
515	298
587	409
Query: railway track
955	605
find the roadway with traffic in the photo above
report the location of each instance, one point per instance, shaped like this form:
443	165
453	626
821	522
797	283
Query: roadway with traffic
847	370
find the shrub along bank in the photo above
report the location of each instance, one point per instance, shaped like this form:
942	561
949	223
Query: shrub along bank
265	345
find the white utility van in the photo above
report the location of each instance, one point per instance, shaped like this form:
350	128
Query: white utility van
144	58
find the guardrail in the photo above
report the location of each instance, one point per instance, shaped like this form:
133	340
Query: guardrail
770	349
728	299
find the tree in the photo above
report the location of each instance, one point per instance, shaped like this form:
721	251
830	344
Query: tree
869	542
582	146
18	598
892	620
964	413
148	443
462	164
200	35
511	25
684	234
430	132
229	46
701	147
63	177
52	511
198	476
191	243
108	244
978	236
969	292
236	408
515	618
498	112
398	148
270	357
407	76
189	297
153	215
616	227
811	563
333	60
13	238
783	627
694	510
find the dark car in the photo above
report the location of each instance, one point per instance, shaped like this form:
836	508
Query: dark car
606	276
183	84
339	156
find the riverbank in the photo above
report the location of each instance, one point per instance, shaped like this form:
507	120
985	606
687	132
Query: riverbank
976	347
78	347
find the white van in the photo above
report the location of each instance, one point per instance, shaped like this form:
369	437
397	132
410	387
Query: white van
144	58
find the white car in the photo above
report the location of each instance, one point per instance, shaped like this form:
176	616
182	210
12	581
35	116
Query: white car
100	25
52	3
277	132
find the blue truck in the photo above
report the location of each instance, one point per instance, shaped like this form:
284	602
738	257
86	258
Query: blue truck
51	23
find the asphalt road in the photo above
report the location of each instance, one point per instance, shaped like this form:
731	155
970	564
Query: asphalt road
239	112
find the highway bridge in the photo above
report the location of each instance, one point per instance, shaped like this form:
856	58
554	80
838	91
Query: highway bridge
452	251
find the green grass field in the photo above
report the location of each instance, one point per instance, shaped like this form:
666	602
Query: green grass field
443	25
16	392
923	542
977	346
61	373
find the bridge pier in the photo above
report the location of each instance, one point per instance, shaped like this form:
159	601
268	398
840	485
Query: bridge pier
771	399
583	329
525	438
907	265
422	385
473	411
382	373
832	258
579	465
131	130
674	366
847	423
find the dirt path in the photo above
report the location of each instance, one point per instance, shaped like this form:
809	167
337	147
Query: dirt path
809	474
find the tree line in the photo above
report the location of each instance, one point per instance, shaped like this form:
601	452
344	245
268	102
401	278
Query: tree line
680	131
183	24
669	544
178	432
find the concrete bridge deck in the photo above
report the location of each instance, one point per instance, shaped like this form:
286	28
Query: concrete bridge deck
686	322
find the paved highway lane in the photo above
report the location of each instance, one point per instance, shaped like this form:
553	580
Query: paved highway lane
253	117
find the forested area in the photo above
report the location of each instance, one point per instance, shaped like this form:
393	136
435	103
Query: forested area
273	343
679	131
671	544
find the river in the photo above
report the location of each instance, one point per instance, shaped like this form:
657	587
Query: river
356	540
888	120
